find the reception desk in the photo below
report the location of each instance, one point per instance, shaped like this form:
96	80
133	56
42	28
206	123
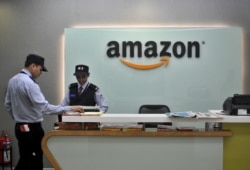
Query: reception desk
140	150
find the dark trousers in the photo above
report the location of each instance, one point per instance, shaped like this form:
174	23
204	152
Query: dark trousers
29	143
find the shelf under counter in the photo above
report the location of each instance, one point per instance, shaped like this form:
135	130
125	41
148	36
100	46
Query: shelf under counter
196	133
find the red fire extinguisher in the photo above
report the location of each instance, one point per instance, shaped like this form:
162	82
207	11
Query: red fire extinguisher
5	147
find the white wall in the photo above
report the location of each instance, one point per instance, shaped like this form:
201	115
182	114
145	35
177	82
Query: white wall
37	26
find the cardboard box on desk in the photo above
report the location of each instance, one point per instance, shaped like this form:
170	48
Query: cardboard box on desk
78	126
70	126
91	126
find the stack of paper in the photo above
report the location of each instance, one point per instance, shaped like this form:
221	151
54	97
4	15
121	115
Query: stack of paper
111	127
91	114
197	115
132	127
187	114
91	108
186	128
165	128
83	114
209	115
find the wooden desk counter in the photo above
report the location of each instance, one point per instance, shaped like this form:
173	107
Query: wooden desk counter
135	137
200	133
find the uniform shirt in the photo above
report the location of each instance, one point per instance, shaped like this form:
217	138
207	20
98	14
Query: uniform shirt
98	98
25	101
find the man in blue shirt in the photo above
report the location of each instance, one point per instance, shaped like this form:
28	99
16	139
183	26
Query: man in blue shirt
27	104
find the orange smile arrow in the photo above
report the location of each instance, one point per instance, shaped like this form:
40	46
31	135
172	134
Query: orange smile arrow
147	66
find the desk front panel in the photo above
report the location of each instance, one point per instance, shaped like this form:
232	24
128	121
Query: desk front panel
137	153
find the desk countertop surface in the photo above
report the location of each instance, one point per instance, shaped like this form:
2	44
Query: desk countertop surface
133	117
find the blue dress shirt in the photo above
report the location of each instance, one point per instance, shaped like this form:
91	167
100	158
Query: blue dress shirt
25	101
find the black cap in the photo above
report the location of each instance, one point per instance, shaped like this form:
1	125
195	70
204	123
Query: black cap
36	59
81	70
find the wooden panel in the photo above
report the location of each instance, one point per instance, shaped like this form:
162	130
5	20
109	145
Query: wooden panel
69	133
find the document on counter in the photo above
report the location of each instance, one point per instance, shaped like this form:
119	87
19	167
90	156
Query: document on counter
209	115
88	111
83	114
186	114
197	115
221	112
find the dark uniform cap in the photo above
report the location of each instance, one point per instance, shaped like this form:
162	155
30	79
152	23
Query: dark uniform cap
33	58
81	70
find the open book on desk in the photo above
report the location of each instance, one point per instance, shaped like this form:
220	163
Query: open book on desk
91	108
83	114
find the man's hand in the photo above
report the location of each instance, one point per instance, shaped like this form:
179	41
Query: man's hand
77	109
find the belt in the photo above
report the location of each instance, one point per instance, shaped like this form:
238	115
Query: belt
30	124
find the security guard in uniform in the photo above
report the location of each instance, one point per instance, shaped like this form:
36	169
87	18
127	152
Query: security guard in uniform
83	92
77	96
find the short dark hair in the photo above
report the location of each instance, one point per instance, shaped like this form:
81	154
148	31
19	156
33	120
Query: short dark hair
35	59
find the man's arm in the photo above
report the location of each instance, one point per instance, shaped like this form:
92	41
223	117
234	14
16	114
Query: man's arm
100	101
7	104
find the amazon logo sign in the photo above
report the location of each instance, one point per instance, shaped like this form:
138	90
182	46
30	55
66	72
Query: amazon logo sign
164	50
